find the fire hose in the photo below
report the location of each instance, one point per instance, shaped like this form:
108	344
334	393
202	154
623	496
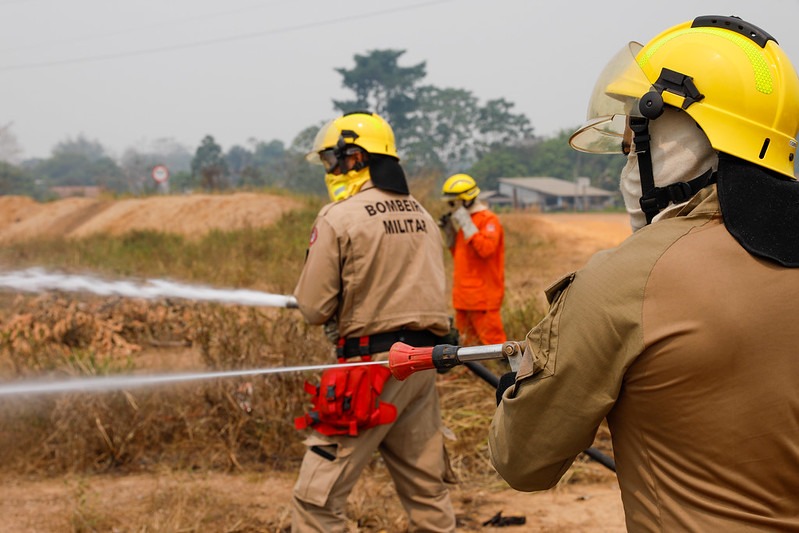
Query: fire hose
404	360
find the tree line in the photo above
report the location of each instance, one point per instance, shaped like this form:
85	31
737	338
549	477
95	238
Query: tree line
439	131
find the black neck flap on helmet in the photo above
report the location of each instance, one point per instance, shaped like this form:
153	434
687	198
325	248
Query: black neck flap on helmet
758	207
654	199
387	174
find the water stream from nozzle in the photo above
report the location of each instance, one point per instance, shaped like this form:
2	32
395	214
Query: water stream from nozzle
110	383
39	280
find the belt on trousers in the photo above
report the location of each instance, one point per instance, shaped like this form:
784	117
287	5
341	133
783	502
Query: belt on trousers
382	342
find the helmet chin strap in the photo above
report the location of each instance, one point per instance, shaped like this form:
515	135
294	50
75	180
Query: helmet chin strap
641	141
655	199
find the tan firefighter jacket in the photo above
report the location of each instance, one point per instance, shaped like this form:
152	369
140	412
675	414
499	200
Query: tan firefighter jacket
688	345
375	262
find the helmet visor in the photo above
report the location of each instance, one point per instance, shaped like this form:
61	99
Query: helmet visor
328	159
614	98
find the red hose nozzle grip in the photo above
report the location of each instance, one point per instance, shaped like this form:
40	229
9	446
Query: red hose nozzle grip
404	360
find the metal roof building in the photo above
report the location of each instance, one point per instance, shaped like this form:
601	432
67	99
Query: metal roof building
549	194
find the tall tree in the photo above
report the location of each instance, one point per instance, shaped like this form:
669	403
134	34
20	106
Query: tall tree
14	180
499	125
270	160
439	129
80	145
65	168
239	160
382	86
443	135
550	157
209	165
452	130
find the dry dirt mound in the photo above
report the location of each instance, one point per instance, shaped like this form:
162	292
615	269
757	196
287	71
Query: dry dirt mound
192	216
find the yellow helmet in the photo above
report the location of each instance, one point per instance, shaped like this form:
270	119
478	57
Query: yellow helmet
359	128
339	138
729	76
460	187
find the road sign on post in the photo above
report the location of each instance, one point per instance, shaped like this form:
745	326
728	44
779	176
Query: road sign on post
160	175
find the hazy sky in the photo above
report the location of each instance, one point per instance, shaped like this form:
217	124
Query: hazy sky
124	72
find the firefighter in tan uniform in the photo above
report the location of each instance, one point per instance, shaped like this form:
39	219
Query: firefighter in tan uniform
374	275
684	336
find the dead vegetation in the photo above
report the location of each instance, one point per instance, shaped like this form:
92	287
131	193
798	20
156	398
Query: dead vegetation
238	426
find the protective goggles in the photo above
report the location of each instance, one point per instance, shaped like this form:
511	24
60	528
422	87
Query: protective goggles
332	158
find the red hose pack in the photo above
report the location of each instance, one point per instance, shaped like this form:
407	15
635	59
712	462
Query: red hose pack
347	400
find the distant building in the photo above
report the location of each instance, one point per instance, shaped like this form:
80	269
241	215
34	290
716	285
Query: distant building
548	194
494	199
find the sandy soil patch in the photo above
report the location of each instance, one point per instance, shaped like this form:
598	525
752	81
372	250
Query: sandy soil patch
262	503
191	216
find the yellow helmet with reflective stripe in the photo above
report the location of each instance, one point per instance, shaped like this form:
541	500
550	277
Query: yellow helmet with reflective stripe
730	76
461	187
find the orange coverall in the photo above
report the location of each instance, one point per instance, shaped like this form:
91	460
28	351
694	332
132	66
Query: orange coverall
478	285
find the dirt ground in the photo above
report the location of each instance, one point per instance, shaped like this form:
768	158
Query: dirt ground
22	217
50	505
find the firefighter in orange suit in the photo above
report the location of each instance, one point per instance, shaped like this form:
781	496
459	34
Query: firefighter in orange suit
684	336
374	275
475	237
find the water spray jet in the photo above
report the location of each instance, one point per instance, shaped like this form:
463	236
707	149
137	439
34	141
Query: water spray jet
38	280
124	382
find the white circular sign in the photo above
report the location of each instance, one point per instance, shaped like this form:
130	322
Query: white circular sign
160	173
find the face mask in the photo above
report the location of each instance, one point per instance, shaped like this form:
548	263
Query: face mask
680	151
630	185
342	186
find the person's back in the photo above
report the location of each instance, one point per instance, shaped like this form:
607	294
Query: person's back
705	419
392	272
682	336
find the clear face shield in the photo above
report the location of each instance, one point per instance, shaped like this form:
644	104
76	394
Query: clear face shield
615	98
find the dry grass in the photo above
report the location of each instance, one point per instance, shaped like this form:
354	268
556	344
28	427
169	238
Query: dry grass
227	425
